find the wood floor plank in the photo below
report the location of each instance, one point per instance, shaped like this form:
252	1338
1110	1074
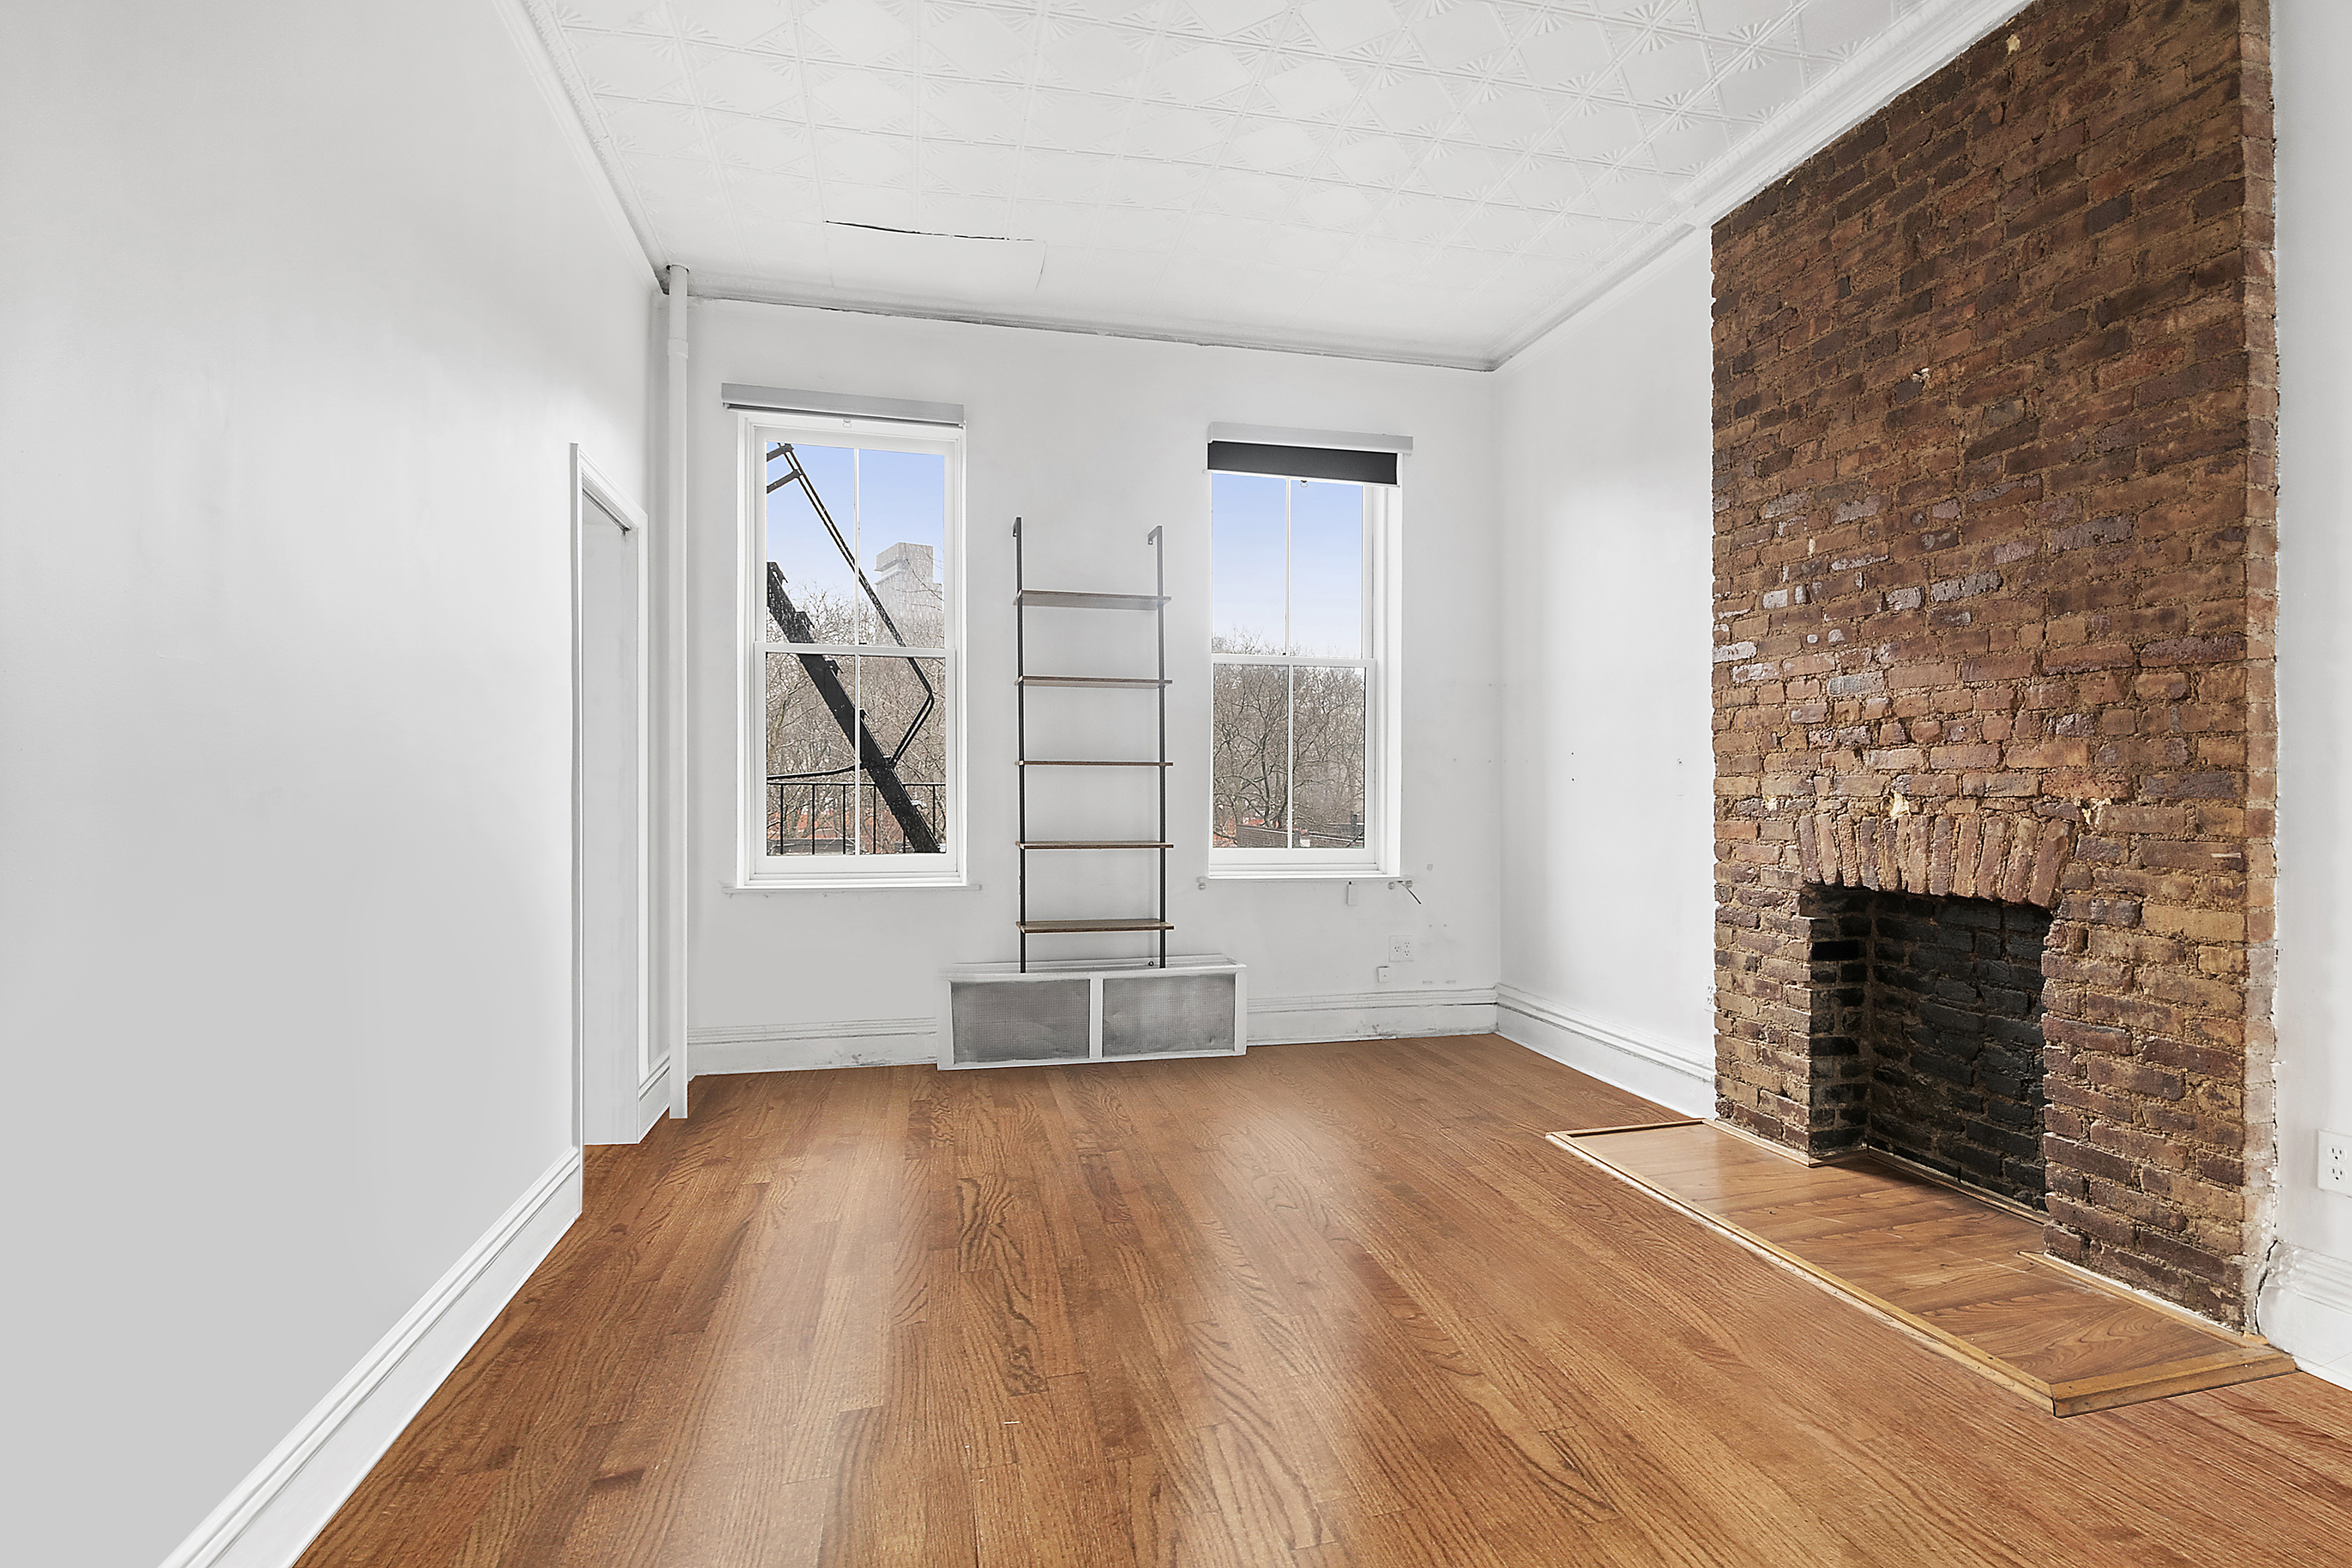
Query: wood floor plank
1324	1306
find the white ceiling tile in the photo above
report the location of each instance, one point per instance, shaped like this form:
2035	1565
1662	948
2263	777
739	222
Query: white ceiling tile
788	252
1548	182
677	183
971	112
1691	146
774	198
1410	216
1376	160
1829	24
659	127
1139	228
1336	207
1136	13
977	42
1342	25
1056	222
1275	144
1200	75
1377	257
1501	229
1093	57
984	216
1161	184
971	171
1459	171
1575	48
1176	133
622	66
1082	122
1248	195
1464	271
1309	248
1602	132
750	84
857	30
1730	15
1064	176
1455	37
1762	88
1310	88
1228	16
1413	103
860	160
1675	68
641	15
1509	115
736	24
1216	235
881	206
865	100
759	144
1628	193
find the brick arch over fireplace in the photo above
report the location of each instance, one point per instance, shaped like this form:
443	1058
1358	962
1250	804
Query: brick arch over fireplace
1994	563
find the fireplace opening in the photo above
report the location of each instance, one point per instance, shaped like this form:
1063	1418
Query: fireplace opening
1932	1006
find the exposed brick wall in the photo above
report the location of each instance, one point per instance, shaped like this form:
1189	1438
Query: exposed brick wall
1939	1000
1994	401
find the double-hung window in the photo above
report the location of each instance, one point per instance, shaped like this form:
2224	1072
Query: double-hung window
1302	652
852	718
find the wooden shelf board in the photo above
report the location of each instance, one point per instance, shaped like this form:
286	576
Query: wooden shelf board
1120	682
1957	1274
1095	844
1046	928
1061	599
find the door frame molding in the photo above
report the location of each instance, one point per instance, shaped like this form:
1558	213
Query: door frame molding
591	483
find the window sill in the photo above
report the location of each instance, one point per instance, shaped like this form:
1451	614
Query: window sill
1362	872
868	884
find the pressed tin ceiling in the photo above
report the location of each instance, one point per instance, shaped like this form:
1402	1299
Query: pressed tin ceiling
1429	180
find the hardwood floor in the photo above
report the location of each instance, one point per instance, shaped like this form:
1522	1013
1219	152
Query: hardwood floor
1325	1306
1968	1278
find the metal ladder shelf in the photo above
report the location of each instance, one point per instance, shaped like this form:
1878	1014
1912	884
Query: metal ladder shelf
1026	599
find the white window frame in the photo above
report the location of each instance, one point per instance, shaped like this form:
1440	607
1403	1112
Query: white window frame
1383	745
755	868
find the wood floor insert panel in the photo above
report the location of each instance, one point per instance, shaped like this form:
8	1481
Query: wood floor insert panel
1959	1272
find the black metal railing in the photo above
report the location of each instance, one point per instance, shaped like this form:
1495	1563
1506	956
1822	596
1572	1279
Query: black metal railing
825	817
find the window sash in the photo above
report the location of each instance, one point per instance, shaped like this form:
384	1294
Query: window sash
757	868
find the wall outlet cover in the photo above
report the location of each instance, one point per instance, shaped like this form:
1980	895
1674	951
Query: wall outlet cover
1401	948
2335	1174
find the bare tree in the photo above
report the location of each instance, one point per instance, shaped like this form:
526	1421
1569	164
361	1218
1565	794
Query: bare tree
1287	763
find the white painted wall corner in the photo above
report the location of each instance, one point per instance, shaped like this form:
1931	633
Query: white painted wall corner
272	1515
1669	1074
2306	1310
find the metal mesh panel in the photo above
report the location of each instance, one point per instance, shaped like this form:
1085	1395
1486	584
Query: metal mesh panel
1149	1014
1036	1020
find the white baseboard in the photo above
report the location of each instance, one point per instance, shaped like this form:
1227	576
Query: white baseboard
2307	1310
1650	1068
1399	1014
801	1048
272	1515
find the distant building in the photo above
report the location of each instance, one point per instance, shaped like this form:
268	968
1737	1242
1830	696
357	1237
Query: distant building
904	578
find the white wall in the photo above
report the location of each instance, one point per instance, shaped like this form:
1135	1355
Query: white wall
1608	889
2309	1307
1095	441
299	306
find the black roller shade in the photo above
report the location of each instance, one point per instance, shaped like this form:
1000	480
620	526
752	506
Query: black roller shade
1303	462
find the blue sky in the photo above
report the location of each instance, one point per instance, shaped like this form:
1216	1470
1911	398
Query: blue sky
1327	562
876	499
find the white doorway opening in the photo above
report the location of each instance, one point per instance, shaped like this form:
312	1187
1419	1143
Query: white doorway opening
621	1080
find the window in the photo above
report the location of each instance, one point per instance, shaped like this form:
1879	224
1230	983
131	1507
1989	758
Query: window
1301	773
852	719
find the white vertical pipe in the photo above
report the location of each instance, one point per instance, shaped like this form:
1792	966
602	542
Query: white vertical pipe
671	631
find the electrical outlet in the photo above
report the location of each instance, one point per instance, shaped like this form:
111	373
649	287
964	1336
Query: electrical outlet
2334	1163
1380	974
1401	948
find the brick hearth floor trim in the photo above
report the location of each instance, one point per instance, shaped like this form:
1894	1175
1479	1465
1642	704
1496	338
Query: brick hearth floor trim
1963	1276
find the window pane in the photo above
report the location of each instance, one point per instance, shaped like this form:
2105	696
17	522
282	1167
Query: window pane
1326	745
812	782
1250	771
1326	569
1245	562
902	507
902	799
809	583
